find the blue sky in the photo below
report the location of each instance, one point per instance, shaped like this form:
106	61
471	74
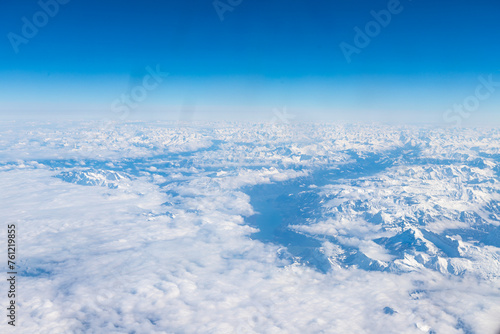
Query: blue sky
262	55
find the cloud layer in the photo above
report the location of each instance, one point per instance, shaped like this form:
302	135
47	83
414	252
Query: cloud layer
148	230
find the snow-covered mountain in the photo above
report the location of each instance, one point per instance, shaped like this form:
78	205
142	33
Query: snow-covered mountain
92	177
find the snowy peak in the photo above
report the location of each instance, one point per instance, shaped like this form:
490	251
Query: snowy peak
93	177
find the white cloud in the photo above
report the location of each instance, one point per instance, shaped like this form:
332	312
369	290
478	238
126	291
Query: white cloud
168	249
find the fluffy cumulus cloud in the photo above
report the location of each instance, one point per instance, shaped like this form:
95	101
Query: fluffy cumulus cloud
254	228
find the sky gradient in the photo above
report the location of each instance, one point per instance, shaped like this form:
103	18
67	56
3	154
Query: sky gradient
263	55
